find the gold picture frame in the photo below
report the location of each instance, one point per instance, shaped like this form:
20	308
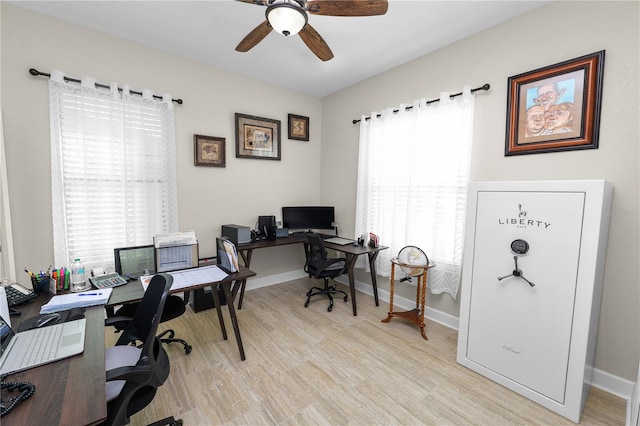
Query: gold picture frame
298	127
257	137
555	108
209	151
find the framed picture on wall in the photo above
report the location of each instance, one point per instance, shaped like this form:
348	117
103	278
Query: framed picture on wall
257	137
208	151
298	127
555	108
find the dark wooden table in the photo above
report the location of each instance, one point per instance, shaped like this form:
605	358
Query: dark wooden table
350	251
133	292
70	391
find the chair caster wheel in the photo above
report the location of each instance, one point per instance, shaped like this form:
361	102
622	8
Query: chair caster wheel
330	308
345	299
306	304
188	349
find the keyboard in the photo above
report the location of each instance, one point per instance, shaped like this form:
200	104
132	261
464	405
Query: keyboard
107	281
17	294
42	346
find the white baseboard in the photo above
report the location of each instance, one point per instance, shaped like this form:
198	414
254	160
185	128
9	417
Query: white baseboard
259	282
602	380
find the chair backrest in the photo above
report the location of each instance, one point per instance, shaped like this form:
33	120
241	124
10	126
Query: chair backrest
144	325
318	265
152	367
316	252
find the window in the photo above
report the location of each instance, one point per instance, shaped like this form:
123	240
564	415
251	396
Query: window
413	171
112	169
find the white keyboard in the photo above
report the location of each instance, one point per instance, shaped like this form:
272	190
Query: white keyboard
42	346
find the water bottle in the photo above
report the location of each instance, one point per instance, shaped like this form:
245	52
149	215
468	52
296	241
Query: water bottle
78	282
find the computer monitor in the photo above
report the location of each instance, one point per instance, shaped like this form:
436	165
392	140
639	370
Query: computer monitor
175	258
308	217
133	262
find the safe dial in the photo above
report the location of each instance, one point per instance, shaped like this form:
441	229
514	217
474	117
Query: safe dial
519	247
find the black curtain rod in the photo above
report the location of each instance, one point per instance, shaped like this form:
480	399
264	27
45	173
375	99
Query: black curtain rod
483	87
37	73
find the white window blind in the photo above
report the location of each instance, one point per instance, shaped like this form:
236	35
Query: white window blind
113	170
413	171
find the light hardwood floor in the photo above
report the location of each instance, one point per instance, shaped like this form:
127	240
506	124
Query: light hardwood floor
307	366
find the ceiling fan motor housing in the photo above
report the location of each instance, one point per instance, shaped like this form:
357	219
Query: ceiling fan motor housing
286	16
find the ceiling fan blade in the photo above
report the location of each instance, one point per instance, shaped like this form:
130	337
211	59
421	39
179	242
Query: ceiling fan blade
315	42
254	37
347	7
258	2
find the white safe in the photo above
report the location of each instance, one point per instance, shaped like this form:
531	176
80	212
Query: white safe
531	287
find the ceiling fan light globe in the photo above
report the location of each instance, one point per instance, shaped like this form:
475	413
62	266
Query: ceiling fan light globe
286	18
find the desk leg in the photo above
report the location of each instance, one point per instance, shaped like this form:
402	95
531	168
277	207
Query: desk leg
246	258
216	300
234	319
351	262
372	266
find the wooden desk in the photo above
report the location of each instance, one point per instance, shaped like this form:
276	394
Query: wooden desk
70	391
133	292
351	254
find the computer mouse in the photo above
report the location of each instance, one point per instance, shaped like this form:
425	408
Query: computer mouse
46	319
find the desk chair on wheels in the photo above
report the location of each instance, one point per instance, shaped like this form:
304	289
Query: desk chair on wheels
174	307
135	373
319	266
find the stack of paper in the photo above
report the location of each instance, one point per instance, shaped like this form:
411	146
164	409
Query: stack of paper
175	239
190	277
232	254
76	300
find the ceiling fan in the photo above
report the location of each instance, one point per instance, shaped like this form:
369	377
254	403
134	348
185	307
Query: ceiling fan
289	17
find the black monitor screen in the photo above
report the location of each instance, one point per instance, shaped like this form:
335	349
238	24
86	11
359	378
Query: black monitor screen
308	217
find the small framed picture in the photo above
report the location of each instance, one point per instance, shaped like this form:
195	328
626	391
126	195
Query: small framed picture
298	127
555	108
208	151
257	137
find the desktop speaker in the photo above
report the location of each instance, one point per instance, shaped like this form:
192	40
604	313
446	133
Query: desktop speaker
267	227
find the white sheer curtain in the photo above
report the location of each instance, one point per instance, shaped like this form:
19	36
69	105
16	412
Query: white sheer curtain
413	171
113	171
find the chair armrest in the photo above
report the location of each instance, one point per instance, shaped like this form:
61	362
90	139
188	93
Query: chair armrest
118	322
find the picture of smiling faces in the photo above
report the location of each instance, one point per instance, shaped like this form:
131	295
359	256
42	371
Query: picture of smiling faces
535	123
548	95
559	119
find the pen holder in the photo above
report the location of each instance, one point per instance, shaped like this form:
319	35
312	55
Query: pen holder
41	284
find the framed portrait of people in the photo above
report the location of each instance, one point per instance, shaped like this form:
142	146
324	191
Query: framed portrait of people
555	108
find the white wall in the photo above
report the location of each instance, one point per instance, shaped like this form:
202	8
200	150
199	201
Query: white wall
208	197
548	35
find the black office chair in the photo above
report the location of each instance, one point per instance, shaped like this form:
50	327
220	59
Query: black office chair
175	306
135	373
320	267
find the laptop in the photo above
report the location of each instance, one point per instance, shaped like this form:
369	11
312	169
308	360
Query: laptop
339	240
31	348
133	262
